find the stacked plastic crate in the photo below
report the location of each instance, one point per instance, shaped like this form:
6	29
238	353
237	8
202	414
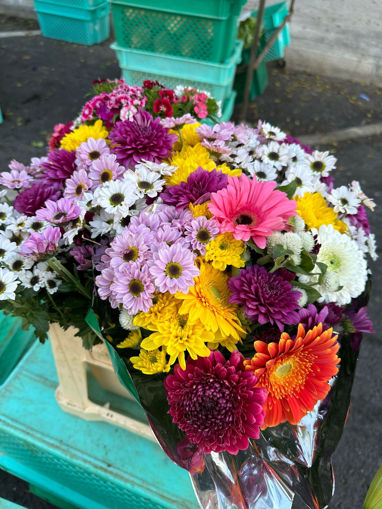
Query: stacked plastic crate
80	21
180	43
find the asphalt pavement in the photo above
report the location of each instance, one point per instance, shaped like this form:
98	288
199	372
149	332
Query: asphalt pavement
44	81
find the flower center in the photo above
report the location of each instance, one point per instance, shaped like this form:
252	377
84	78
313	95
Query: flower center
17	239
36	226
59	215
2	287
105	176
136	287
318	166
116	199
2	216
245	219
283	369
274	156
79	189
333	261
17	265
2	252
261	174
34	280
51	283
144	184
203	236
173	270
131	254
124	221
94	154
344	201
298	182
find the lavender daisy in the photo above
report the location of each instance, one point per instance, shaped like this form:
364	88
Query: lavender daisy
142	137
265	297
105	169
134	288
174	269
77	185
127	248
41	243
90	151
200	232
59	212
15	179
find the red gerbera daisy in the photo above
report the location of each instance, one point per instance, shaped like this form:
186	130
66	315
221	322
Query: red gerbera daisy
295	373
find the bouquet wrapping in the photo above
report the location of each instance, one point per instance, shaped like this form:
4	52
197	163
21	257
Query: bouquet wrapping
225	273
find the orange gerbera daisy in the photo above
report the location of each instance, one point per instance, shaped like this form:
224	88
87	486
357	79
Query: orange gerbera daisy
295	372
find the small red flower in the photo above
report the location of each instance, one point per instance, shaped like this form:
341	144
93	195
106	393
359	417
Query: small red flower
163	106
167	94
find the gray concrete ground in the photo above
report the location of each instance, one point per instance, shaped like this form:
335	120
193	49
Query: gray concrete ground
43	82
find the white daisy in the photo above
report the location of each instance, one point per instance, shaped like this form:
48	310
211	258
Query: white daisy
33	279
263	171
161	168
17	263
115	196
101	224
6	247
275	154
356	188
8	284
344	200
303	178
321	163
272	132
147	182
6	214
346	273
296	154
33	224
18	224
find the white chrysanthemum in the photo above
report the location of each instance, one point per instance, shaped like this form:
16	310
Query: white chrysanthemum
126	320
372	247
344	259
275	154
356	188
262	171
115	196
321	163
298	223
307	240
6	247
296	155
302	301
272	132
161	168
303	178
289	240
147	182
243	158
17	262
8	284
6	214
18	223
344	200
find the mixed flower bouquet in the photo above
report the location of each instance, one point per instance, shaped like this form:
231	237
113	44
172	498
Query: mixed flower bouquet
224	271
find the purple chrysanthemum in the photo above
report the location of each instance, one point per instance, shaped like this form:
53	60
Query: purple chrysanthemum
59	212
83	256
134	288
265	297
329	315
142	137
200	231
360	323
59	166
41	243
215	403
360	220
200	184
33	198
173	269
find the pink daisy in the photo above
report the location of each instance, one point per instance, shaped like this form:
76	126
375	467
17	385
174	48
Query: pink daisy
249	208
127	248
200	232
134	288
174	269
90	151
77	185
105	169
41	243
15	179
59	212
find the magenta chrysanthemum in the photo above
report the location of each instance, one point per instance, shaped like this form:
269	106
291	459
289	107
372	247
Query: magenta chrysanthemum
33	198
215	403
142	137
173	269
265	297
59	166
200	184
249	208
60	211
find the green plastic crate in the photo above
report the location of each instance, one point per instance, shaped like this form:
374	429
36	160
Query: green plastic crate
259	83
198	29
217	79
274	15
73	24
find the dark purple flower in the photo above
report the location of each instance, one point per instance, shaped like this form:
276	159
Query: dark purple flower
360	323
360	219
142	137
267	334
199	185
265	297
290	140
59	166
329	181
215	403
329	315
34	198
83	256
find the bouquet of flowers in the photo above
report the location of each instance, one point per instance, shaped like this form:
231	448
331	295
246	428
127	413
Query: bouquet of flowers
224	271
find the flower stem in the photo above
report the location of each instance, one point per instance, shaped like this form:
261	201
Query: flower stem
67	276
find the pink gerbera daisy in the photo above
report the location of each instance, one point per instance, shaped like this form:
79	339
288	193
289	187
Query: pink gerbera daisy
250	208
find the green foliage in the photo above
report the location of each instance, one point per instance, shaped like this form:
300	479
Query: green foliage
247	30
289	189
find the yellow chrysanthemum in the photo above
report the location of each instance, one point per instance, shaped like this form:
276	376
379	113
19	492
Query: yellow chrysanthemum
225	250
224	168
200	210
74	139
151	362
133	339
189	135
187	161
179	335
207	301
314	210
228	342
165	306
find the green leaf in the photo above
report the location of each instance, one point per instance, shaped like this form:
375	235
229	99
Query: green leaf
373	498
289	189
296	268
279	250
311	292
306	261
264	260
322	266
